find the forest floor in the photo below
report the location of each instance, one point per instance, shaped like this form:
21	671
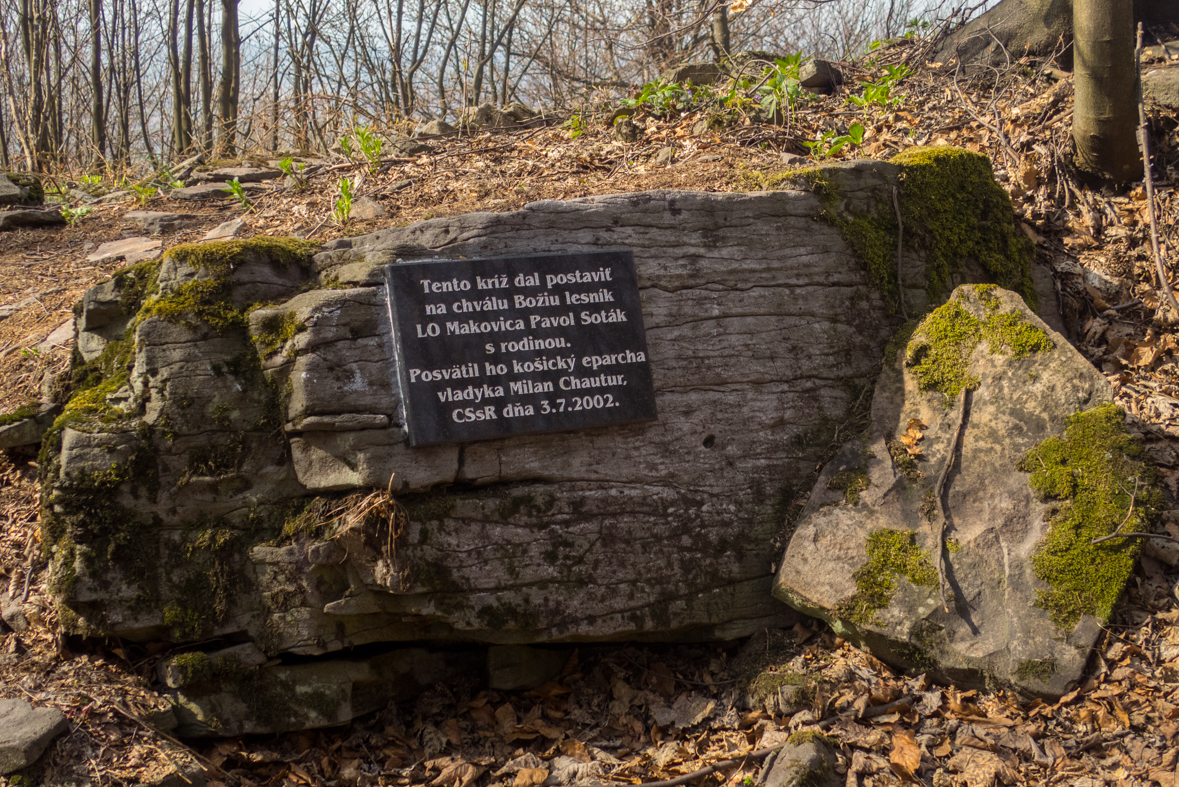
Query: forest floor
598	721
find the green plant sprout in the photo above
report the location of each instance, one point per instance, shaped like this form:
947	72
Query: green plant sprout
880	91
661	98
780	84
143	193
297	174
346	145
170	180
370	146
90	180
574	125
74	215
342	205
234	187
830	144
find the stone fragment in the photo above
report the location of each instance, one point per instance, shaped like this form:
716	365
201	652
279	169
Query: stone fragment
626	130
113	197
521	668
665	156
30	429
435	128
25	733
226	230
160	223
805	762
28	189
484	116
519	112
10	193
132	250
211	191
864	554
243	175
1162	84
819	75
59	337
696	73
406	147
308	696
368	209
400	185
14	219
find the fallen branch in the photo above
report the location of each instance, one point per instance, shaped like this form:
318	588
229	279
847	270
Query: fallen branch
1129	513
1148	181
187	749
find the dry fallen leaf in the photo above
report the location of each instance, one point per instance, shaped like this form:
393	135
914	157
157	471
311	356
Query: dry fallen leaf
905	757
530	777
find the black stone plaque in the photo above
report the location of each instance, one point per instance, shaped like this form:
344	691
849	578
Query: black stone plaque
516	345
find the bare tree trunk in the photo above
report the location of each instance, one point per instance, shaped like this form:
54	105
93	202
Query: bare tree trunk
228	88
135	59
718	39
274	77
204	15
97	126
1106	90
181	75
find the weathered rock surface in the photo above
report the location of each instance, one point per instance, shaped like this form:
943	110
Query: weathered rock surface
1162	84
367	209
25	733
132	250
863	555
819	75
159	222
696	73
216	694
20	188
806	763
406	147
521	668
14	219
211	191
242	174
226	230
435	128
30	429
1011	30
216	463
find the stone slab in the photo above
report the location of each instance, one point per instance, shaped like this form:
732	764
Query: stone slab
25	733
15	219
131	250
160	222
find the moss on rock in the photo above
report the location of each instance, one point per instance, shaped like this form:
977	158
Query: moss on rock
938	354
892	554
1097	471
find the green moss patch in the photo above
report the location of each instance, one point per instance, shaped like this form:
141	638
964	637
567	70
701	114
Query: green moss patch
1094	470
209	300
892	554
275	331
851	482
20	413
939	352
952	210
955	210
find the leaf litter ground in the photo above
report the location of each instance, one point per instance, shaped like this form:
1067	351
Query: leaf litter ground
628	714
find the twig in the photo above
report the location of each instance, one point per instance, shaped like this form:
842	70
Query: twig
1148	181
191	753
1135	535
937	492
1114	534
760	754
896	206
869	713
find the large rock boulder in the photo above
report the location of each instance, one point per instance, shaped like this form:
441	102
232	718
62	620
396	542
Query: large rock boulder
1040	28
233	460
955	536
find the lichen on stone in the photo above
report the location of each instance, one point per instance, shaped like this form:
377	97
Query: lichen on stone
1096	470
275	330
892	555
938	354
